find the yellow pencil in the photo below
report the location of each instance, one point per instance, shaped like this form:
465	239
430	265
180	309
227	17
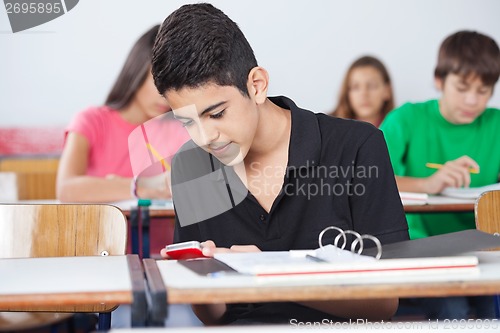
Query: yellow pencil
439	166
165	164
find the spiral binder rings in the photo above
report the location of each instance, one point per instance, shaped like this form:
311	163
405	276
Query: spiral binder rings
334	261
358	241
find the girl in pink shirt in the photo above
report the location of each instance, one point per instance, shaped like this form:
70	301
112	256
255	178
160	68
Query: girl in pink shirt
95	164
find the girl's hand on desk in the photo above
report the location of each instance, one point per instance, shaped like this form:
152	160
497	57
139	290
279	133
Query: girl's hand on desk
209	248
155	187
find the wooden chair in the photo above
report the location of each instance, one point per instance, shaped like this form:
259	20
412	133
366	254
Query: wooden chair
60	230
487	215
487	212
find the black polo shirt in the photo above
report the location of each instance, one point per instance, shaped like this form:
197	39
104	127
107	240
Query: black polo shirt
338	174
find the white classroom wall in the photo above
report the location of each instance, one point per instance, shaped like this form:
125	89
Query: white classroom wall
50	72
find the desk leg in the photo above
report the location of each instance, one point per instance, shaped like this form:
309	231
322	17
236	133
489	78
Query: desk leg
145	221
139	224
158	302
139	304
134	230
497	306
104	323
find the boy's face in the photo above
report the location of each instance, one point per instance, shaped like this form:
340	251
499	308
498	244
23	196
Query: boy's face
219	119
463	98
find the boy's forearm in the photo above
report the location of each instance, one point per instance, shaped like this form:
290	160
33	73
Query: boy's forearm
411	184
93	189
209	314
371	309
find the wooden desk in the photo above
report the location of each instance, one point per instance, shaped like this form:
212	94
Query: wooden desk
164	210
28	284
440	208
155	212
150	227
184	286
434	205
438	204
125	206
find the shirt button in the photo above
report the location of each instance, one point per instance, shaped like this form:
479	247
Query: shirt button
262	217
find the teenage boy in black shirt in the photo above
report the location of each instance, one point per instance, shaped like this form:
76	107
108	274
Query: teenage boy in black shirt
261	173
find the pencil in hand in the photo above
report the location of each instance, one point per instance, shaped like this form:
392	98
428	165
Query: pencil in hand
439	166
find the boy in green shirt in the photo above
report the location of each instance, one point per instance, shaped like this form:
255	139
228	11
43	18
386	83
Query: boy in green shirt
457	131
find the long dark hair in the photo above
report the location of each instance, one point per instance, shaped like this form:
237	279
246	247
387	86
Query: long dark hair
134	72
344	108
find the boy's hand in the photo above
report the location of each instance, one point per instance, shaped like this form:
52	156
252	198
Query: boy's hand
209	249
454	173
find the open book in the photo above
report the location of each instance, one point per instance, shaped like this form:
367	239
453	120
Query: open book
332	262
442	254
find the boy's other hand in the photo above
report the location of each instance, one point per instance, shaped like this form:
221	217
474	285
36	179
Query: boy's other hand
209	248
455	173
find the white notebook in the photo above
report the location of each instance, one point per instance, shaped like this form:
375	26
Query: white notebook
470	192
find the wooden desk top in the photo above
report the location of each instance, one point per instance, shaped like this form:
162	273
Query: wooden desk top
165	209
185	286
428	208
440	208
441	204
53	282
435	205
126	206
155	212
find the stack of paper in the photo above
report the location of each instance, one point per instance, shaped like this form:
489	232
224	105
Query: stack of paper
413	198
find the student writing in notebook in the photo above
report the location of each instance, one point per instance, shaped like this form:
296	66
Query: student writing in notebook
459	132
366	92
95	164
261	173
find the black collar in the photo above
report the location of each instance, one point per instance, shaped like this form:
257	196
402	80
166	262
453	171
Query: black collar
305	141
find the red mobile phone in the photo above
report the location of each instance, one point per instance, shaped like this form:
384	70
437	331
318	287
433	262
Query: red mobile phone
185	250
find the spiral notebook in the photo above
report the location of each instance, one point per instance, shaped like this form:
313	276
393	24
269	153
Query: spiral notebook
333	261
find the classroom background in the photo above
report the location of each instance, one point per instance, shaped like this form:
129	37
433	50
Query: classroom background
51	72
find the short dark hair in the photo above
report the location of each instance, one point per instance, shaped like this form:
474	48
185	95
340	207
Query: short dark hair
134	72
199	44
469	53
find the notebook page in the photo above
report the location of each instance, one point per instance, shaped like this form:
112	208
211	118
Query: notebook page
469	193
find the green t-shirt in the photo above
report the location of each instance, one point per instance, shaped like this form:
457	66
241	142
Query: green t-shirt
418	133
